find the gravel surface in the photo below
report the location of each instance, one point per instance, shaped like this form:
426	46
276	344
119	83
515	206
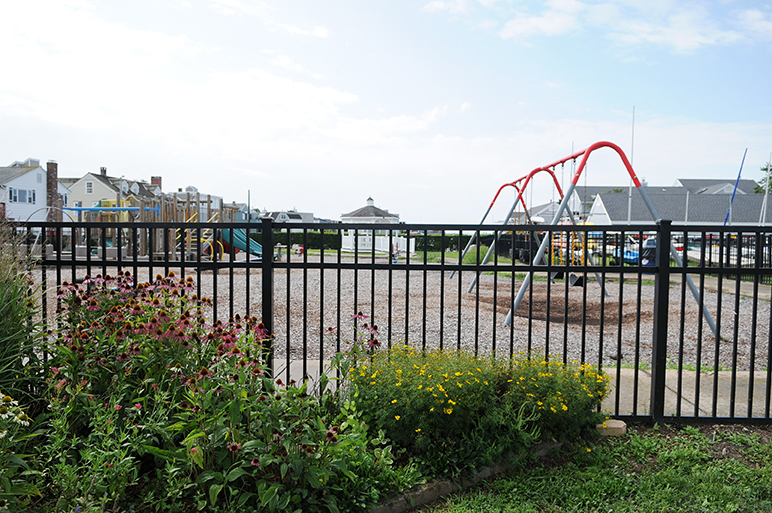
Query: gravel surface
428	310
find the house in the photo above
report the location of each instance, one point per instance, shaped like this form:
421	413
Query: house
207	206
90	189
679	205
289	216
24	188
242	214
370	214
716	186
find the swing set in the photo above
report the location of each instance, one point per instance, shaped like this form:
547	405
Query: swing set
543	243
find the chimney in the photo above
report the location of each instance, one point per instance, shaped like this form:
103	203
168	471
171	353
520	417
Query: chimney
52	190
103	171
156	180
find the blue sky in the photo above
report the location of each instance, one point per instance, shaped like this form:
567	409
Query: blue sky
427	106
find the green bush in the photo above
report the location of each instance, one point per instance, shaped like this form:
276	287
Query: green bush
311	240
153	409
453	411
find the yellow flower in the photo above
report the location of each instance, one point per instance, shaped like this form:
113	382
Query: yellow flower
420	387
396	417
418	430
448	410
394	401
451	401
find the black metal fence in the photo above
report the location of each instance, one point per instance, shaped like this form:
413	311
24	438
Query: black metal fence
685	342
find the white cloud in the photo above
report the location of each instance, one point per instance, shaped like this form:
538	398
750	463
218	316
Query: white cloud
683	28
449	6
757	22
550	23
685	31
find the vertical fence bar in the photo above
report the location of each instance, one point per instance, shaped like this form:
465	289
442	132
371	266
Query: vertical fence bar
267	292
661	298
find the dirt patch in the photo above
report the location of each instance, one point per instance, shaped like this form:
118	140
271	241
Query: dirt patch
544	304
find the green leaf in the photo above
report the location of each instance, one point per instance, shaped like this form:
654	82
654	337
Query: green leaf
269	494
283	470
235	474
193	435
177	426
214	491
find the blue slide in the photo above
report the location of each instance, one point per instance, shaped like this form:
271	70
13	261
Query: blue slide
240	241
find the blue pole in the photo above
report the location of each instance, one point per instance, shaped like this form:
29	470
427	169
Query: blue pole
726	219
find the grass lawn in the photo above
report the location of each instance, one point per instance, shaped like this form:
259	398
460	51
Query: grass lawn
689	469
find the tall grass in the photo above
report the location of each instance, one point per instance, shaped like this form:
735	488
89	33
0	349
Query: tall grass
19	330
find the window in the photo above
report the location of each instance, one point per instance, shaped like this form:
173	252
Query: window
40	177
89	187
21	195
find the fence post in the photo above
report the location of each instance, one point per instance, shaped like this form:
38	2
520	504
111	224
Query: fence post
267	294
659	342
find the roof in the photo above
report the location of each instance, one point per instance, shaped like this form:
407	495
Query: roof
275	215
702	208
145	190
9	173
716	186
369	211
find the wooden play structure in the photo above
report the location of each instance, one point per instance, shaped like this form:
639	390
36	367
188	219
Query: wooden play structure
188	208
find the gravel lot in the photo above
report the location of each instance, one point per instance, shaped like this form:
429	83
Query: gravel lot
428	310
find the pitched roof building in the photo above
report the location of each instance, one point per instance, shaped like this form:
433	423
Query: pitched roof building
680	206
24	191
370	214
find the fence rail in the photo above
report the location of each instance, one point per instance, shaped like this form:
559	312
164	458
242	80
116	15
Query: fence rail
674	352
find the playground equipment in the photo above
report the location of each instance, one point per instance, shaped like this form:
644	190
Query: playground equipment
579	242
188	208
543	247
241	241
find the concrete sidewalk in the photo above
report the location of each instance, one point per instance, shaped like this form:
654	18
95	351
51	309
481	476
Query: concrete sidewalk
727	286
692	403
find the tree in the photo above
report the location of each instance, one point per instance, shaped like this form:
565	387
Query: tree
765	182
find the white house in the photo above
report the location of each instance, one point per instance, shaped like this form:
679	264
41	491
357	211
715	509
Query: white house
370	214
24	191
375	240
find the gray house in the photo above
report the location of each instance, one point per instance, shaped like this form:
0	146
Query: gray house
680	206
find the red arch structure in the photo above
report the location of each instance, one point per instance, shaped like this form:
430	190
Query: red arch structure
525	179
585	154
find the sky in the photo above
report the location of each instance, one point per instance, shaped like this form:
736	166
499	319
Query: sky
427	106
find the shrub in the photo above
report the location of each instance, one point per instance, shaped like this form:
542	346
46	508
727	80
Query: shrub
453	411
152	406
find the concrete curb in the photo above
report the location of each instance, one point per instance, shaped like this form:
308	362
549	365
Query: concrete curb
429	492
